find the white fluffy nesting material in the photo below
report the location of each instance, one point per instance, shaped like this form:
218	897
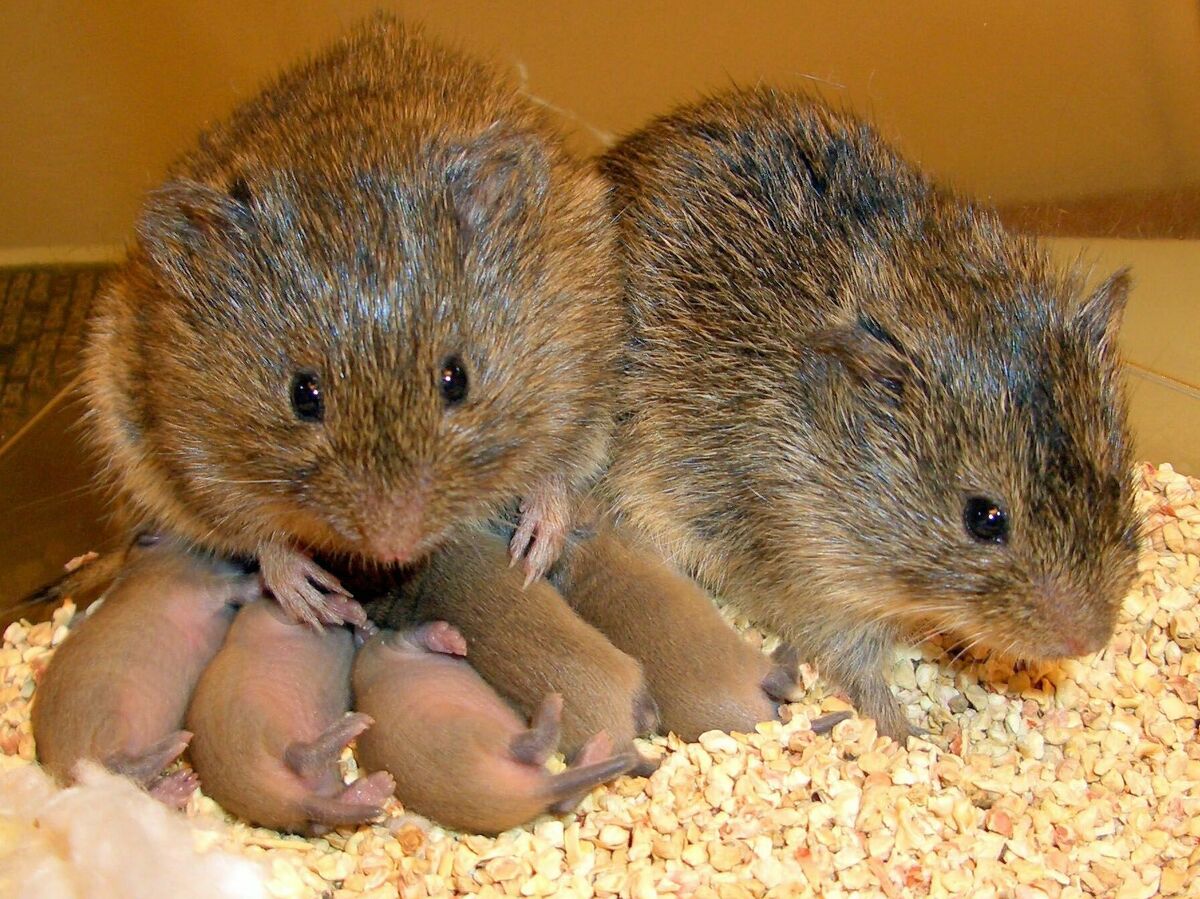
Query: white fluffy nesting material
106	839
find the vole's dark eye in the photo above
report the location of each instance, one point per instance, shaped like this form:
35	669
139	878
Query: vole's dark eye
452	380
985	520
307	401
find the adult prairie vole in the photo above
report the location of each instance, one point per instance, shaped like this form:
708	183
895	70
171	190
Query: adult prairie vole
117	690
376	303
270	718
856	406
458	752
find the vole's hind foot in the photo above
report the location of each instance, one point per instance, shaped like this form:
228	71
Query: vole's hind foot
542	531
593	765
145	766
441	637
360	802
297	582
175	789
311	760
537	744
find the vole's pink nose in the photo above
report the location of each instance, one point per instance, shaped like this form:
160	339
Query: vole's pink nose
394	531
1078	626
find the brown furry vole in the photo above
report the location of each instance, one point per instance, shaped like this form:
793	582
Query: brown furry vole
856	406
702	675
526	642
118	689
458	752
376	303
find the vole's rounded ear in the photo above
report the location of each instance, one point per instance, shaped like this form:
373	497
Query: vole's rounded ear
497	179
184	221
870	355
1099	316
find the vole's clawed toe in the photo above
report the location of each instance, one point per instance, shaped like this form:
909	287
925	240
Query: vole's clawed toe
297	583
542	531
145	766
442	637
310	760
535	745
175	789
338	609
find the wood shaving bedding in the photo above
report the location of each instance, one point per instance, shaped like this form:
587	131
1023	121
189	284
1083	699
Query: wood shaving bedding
1078	778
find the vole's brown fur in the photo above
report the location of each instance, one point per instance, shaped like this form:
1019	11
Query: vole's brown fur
526	642
373	218
702	675
458	752
829	356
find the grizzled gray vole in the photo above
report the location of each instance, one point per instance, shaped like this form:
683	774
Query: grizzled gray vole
856	406
378	302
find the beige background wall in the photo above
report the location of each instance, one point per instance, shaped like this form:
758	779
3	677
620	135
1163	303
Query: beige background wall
1014	101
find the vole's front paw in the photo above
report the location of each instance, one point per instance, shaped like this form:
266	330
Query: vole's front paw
542	531
297	582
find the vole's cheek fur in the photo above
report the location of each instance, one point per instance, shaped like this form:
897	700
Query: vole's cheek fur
344	224
928	357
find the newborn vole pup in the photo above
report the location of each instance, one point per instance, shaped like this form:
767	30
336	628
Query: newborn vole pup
459	753
271	716
701	673
378	302
117	690
856	406
527	642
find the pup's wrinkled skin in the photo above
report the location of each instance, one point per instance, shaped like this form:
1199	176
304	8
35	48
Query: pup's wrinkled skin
702	675
854	405
459	753
270	718
374	305
117	690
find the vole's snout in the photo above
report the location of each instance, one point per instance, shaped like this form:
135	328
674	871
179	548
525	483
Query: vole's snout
394	535
393	528
1076	626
